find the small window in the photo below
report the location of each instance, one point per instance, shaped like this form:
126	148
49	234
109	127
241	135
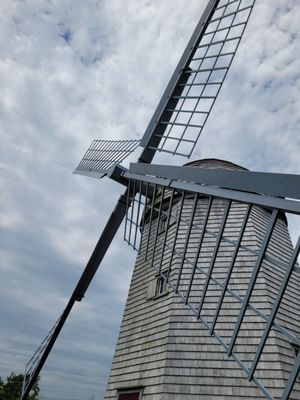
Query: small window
295	349
161	286
130	395
157	286
162	224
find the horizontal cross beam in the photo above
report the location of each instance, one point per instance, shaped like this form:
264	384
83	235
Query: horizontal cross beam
273	184
285	205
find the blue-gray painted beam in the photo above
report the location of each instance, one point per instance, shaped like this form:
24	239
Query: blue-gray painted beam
275	308
157	225
214	256
139	201
273	184
144	213
230	269
167	227
187	239
132	207
209	204
176	234
254	276
128	202
290	206
150	221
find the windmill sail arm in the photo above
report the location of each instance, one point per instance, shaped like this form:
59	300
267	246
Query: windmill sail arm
183	110
272	184
287	205
151	141
103	155
181	115
38	360
103	244
175	79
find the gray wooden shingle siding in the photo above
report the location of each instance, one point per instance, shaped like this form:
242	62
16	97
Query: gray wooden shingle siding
165	350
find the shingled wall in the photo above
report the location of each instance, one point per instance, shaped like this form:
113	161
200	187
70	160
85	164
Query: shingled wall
167	353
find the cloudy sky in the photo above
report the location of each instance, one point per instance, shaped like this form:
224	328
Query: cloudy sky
71	72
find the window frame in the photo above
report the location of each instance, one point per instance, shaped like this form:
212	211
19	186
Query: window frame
161	282
162	223
161	286
138	390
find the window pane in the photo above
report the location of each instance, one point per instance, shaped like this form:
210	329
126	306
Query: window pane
129	396
161	286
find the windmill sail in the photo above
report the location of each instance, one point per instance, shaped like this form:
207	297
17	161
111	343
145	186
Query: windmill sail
206	255
102	155
192	91
183	110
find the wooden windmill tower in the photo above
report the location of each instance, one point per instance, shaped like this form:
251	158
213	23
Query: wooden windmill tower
213	306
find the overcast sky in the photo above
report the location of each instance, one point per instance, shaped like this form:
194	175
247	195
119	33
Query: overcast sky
73	71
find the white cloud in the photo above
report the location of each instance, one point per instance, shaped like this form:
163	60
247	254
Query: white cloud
74	71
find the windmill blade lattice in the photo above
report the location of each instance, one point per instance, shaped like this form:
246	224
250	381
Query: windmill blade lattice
190	95
103	154
188	100
198	239
30	374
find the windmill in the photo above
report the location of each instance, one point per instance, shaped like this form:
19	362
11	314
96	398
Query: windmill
156	196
